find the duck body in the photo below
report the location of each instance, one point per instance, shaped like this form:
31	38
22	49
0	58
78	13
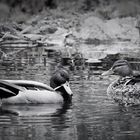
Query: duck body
31	97
126	89
33	92
27	92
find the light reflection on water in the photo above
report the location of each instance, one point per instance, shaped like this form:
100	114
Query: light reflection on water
90	116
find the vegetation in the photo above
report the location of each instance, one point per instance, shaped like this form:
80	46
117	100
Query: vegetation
92	22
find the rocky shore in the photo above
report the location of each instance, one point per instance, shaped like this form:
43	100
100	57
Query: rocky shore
95	34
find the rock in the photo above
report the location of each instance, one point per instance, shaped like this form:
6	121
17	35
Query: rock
93	27
33	37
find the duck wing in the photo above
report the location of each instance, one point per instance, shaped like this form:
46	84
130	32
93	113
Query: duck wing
133	81
8	89
28	84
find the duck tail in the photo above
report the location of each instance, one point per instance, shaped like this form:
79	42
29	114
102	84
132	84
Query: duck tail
8	90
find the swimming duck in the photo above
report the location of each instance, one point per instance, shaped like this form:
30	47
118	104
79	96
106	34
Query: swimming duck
26	91
126	89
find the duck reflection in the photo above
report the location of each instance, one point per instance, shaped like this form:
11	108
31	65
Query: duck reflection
7	112
36	121
34	110
62	119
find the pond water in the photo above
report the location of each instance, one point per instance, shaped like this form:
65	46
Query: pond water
90	116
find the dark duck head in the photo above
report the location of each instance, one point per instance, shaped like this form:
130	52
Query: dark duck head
60	82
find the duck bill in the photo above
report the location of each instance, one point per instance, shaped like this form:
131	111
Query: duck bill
109	72
67	88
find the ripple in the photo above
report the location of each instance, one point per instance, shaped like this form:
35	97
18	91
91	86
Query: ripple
90	116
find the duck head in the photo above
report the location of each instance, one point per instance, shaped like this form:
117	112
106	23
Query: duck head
60	82
121	68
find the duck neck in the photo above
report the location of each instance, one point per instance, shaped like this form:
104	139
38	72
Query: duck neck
64	94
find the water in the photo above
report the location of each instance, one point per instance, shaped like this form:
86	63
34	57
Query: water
90	116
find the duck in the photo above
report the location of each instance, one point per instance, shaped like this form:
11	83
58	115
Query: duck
125	90
34	92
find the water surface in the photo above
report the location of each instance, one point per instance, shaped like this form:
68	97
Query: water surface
90	116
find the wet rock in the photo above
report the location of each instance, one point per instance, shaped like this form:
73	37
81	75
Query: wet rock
95	64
